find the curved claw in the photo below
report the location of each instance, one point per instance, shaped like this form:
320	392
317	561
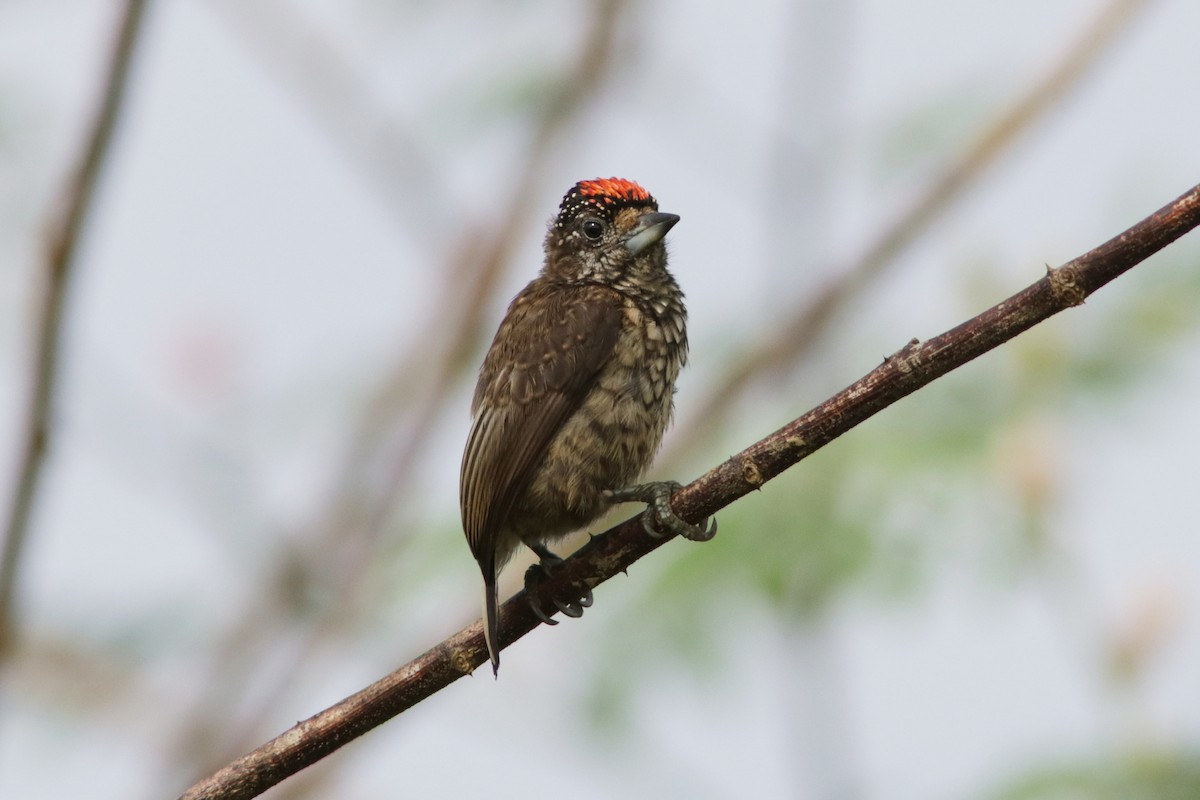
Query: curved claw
573	610
660	519
705	531
538	573
542	615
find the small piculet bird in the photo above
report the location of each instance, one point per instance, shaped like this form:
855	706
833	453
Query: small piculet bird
576	390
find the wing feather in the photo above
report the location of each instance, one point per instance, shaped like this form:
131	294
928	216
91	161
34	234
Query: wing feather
551	345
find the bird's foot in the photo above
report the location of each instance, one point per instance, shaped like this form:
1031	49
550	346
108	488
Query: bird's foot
537	574
659	519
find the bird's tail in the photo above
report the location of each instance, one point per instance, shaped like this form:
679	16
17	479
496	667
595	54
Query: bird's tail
491	618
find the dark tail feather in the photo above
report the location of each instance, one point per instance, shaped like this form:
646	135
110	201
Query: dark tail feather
491	618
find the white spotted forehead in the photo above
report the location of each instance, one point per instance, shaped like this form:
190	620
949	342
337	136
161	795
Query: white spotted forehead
575	202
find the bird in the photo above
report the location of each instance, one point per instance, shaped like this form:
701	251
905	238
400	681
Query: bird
576	391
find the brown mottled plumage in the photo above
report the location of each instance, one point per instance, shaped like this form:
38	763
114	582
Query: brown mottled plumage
577	388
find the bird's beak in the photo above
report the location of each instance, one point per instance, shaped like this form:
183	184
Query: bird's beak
650	228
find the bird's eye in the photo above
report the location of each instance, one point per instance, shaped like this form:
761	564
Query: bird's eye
593	229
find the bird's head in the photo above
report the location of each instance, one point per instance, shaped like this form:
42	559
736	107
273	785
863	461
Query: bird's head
608	230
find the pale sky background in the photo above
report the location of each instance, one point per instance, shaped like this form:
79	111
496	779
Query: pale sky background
243	278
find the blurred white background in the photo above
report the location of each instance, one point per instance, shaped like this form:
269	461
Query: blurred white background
249	508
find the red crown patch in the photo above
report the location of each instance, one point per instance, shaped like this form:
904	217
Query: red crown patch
616	188
602	195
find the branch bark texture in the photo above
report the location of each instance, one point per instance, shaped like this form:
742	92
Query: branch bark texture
916	364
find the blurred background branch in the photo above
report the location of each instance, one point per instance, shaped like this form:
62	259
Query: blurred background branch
318	212
393	433
335	94
785	345
67	224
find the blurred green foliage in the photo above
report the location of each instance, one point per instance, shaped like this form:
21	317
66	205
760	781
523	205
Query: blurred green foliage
965	466
959	454
1161	776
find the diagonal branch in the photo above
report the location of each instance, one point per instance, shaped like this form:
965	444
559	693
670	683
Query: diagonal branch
915	365
61	248
786	344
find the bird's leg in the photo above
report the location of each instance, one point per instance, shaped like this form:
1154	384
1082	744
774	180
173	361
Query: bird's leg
659	519
537	573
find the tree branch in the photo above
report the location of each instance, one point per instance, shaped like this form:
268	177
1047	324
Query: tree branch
61	248
913	366
789	341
